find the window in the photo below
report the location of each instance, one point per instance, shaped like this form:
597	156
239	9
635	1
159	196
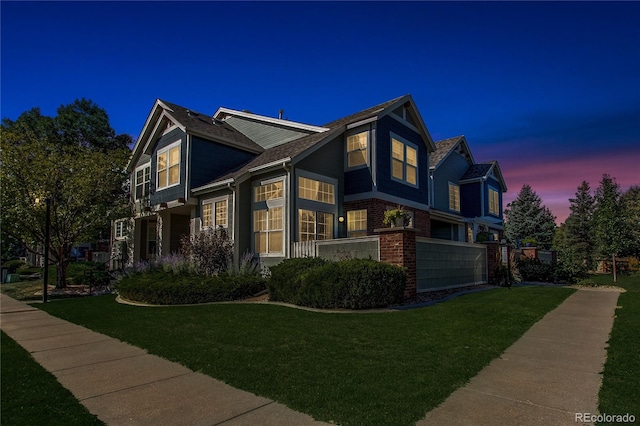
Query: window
268	191
143	178
494	202
267	229
214	213
357	150
268	217
357	223
314	225
314	190
169	166
404	162
454	197
121	229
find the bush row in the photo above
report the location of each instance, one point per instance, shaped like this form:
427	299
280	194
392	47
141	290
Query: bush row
161	288
352	284
556	272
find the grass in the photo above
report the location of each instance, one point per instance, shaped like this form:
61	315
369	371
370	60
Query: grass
388	368
30	395
621	379
24	290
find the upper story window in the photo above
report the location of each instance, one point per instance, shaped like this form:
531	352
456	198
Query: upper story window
142	181
494	202
404	161
315	190
268	191
169	166
454	197
357	223
357	150
215	213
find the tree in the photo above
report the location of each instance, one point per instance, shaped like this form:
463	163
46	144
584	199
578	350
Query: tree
630	201
527	218
578	226
76	162
613	233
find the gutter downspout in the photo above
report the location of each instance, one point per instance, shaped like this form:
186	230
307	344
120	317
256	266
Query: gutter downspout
236	250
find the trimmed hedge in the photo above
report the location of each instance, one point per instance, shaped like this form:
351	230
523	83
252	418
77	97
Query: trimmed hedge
161	288
351	284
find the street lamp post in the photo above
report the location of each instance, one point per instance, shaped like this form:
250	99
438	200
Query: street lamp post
45	284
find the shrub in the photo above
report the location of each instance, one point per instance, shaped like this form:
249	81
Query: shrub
161	288
556	272
352	284
210	252
587	283
13	265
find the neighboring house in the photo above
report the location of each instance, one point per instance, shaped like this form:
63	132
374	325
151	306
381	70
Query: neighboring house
467	196
273	183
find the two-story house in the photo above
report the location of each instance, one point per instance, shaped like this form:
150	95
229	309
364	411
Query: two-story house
466	196
274	182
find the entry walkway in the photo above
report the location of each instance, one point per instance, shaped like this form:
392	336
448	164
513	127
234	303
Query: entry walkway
546	377
125	385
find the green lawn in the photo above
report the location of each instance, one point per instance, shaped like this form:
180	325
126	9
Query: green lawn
620	392
385	368
30	395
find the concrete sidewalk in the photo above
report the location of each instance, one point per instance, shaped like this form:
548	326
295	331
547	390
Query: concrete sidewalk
123	384
551	373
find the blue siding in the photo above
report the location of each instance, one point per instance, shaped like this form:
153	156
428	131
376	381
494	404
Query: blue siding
175	192
450	170
356	181
386	126
210	160
470	199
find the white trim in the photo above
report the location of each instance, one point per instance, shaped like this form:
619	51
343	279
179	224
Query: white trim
267	205
361	123
368	160
166	149
213	185
285	123
135	180
269	165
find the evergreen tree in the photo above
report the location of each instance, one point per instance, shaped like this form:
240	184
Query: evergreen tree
578	226
527	218
630	201
613	233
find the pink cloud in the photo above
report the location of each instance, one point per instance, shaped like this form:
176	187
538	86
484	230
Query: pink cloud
556	181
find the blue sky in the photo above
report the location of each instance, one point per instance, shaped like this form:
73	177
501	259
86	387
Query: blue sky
551	90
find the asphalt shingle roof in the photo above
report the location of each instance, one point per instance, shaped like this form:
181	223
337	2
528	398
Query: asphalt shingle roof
203	124
362	115
443	148
477	171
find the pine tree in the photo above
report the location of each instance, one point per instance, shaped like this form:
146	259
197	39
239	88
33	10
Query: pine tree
613	233
578	226
527	218
631	203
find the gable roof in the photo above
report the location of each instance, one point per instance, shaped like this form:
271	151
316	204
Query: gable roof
222	113
447	146
482	170
191	122
278	154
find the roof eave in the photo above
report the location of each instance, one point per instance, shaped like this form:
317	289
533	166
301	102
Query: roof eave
280	122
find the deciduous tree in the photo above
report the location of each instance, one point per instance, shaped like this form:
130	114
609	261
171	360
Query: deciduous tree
74	160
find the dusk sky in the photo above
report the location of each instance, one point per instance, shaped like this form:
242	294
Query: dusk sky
550	90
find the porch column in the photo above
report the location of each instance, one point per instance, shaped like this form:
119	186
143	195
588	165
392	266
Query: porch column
398	247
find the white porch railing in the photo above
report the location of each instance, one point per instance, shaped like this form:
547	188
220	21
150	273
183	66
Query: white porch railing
304	249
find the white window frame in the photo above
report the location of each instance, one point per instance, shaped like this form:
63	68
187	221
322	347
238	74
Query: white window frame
405	165
318	191
136	184
214	216
362	231
496	211
120	231
167	149
454	190
366	150
267	205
